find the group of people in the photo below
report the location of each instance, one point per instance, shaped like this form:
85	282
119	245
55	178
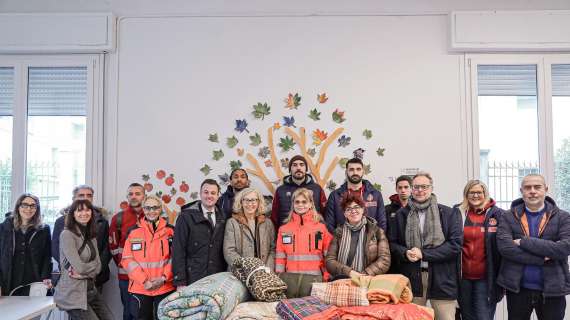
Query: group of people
468	256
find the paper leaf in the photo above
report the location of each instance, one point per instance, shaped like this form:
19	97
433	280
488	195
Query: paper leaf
344	141
224	179
322	98
367	169
312	152
145	177
235	164
338	116
206	169
241	126
342	163
276	126
213	137
260	110
331	186
286	143
292	101
255	139
232	142
285	163
217	154
315	115
263	152
377	186
319	136
289	121
358	153
367	134
194	195
380	151
268	163
240	151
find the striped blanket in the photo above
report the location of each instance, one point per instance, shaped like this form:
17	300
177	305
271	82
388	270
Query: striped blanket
213	297
386	288
340	293
307	308
401	311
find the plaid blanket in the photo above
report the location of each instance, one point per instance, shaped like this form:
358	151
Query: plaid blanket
307	308
262	283
213	297
254	311
402	311
340	293
386	288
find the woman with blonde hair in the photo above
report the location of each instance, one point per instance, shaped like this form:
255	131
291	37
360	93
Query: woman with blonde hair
303	241
248	232
480	258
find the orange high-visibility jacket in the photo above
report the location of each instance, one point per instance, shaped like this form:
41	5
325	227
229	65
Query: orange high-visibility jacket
147	256
302	245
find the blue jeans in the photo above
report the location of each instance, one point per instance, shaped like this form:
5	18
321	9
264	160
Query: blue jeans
126	299
474	300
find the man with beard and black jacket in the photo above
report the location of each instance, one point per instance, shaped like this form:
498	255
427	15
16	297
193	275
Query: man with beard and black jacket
398	200
298	178
364	189
533	238
238	181
85	192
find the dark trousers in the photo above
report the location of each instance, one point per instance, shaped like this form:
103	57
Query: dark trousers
520	305
474	301
125	299
145	307
96	308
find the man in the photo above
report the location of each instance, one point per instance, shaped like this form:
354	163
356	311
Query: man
118	232
533	238
357	185
85	192
397	201
197	248
297	178
427	242
238	181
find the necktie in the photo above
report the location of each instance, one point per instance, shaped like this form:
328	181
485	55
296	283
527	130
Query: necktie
210	218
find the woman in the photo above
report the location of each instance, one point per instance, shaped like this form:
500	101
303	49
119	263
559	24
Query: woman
480	259
25	254
303	241
359	247
147	259
75	291
248	232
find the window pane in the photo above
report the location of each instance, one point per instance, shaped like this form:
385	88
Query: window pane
57	104
561	133
508	128
6	106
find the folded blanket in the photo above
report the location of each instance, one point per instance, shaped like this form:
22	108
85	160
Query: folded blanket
307	308
254	311
340	293
386	288
213	297
262	284
402	311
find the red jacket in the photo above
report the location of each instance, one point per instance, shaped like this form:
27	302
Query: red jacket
147	256
117	236
302	245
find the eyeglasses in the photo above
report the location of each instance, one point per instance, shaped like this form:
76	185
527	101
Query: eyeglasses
418	187
250	200
353	209
30	206
475	193
151	208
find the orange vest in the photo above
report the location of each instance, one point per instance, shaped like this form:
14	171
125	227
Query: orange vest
302	245
147	255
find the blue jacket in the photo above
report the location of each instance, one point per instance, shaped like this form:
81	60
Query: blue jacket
553	242
374	206
226	202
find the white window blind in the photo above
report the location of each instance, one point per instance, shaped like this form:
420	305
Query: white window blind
561	80
506	80
6	91
57	91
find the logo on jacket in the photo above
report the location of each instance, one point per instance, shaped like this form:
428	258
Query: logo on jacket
492	221
288	194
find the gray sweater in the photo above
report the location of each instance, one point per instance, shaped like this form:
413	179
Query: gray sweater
71	293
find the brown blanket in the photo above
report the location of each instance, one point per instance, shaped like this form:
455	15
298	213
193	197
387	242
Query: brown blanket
386	288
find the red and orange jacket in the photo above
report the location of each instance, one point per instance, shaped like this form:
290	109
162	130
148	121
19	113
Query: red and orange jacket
302	245
147	255
120	225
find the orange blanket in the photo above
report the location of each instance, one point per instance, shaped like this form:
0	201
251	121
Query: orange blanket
386	288
402	311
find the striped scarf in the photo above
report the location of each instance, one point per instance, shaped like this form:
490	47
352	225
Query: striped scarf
358	260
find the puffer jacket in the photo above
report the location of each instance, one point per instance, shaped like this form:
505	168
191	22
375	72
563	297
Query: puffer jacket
376	252
147	255
302	245
239	241
553	242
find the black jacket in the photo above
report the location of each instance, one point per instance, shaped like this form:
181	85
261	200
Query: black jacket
197	249
492	255
391	227
102	244
40	252
553	242
226	202
443	261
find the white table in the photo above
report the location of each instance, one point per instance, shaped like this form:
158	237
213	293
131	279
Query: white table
23	308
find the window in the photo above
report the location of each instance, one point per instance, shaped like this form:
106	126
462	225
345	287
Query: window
55	114
561	133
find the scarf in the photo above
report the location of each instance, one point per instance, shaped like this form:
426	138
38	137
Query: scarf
433	234
347	229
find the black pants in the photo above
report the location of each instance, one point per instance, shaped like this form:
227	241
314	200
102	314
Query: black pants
520	305
96	308
145	307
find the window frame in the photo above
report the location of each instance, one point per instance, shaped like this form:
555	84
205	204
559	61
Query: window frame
94	115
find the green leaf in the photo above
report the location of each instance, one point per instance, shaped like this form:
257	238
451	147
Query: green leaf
206	169
367	169
286	143
260	110
380	151
331	186
217	154
377	186
338	116
235	164
315	115
213	137
312	152
342	163
297	100
232	142
255	140
367	134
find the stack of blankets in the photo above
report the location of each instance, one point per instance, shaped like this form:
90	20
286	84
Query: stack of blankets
263	284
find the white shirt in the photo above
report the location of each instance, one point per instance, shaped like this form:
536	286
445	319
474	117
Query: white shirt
205	213
422	216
